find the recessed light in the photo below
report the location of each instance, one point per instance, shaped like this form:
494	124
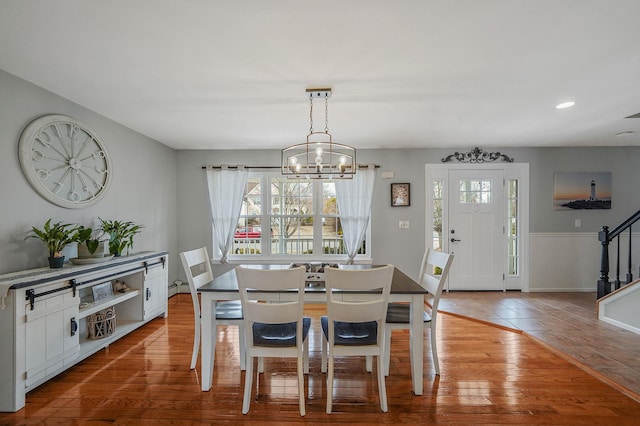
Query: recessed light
565	105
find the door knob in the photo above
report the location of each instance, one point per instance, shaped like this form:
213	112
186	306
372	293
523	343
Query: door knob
453	240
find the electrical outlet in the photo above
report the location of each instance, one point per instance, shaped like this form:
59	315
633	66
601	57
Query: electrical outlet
578	223
404	224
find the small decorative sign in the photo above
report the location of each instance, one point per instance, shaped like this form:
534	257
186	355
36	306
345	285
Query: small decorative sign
102	291
400	195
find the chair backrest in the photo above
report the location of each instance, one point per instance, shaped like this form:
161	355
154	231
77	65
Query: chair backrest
358	309
430	278
253	280
197	261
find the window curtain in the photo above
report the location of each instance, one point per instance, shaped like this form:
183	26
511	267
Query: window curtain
354	197
226	189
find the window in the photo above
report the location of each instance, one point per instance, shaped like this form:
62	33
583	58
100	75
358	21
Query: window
513	234
475	191
437	214
293	217
249	229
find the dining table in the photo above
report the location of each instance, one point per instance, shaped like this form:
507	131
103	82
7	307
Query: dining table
225	287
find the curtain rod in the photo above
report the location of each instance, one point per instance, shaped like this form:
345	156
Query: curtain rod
360	166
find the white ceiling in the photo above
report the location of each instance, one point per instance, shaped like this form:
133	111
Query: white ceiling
412	73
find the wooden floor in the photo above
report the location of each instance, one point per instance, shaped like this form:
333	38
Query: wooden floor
490	375
565	322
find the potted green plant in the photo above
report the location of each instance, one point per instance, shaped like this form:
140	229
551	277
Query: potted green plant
90	243
56	237
121	234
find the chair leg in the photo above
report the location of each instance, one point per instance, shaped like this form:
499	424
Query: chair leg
260	365
382	389
369	362
248	383
387	351
330	384
196	343
323	365
243	355
305	356
434	348
301	397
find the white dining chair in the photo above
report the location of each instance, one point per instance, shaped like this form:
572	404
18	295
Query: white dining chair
197	268
354	324
274	328
433	274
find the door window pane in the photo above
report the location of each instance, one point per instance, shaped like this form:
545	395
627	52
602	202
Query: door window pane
513	231
437	215
475	191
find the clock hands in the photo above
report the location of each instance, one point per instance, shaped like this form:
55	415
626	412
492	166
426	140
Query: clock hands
60	182
61	140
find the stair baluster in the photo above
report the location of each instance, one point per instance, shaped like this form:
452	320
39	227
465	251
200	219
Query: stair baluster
605	237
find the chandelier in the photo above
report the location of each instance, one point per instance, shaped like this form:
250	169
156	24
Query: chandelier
319	157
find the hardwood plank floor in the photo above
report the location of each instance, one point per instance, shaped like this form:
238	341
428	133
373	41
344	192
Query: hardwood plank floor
565	322
489	376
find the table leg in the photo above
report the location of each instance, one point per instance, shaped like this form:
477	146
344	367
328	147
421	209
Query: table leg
208	339
416	342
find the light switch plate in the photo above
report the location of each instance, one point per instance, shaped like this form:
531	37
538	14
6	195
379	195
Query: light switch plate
404	224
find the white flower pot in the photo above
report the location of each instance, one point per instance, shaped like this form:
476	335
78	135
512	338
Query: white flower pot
83	251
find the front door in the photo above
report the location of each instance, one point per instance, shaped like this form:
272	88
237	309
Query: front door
475	234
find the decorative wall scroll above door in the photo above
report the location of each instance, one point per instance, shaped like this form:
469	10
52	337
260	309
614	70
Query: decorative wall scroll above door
477	155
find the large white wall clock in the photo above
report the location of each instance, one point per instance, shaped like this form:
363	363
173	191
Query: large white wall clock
65	161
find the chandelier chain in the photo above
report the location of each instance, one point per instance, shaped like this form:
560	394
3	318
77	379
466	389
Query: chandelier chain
311	114
326	114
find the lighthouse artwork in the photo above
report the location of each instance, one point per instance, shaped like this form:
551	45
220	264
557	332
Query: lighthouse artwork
587	191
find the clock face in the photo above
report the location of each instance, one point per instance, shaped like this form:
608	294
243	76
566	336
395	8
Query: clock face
64	161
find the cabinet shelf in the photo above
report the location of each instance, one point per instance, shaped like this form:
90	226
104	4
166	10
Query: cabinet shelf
90	346
105	303
44	330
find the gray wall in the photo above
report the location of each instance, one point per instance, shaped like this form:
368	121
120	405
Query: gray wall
404	247
143	189
151	180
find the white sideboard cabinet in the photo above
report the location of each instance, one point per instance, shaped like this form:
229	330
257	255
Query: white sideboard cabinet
46	315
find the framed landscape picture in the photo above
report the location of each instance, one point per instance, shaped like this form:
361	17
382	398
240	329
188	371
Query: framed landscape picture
102	291
400	195
582	190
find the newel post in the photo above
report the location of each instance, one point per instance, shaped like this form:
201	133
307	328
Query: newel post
603	283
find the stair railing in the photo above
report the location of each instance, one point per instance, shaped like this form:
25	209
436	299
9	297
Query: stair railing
605	237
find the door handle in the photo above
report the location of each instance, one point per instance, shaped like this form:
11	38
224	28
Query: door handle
453	240
74	326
